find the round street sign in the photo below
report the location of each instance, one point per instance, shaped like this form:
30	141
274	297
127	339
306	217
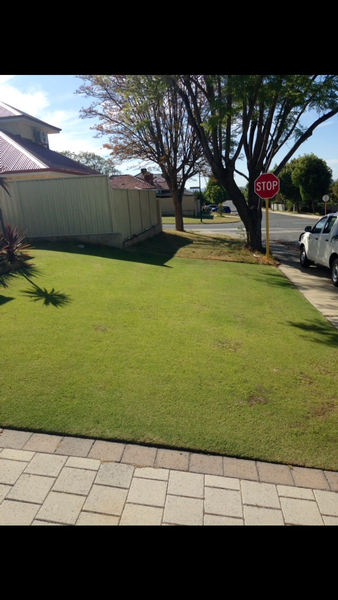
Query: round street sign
326	198
267	186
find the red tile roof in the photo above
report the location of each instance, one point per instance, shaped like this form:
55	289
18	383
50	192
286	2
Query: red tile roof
129	182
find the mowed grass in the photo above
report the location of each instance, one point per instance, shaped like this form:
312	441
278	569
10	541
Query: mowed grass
155	347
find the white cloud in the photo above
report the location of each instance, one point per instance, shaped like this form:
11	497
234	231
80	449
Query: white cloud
33	101
5	78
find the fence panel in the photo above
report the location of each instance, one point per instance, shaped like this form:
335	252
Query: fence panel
59	207
75	206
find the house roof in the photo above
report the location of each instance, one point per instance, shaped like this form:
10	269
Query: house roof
8	113
129	182
158	180
19	154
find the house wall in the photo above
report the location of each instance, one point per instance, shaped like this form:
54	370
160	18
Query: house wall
82	208
190	206
20	127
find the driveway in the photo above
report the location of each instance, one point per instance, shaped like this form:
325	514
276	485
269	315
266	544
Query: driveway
314	283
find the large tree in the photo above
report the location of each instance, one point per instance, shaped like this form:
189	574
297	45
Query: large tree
288	190
252	118
313	177
146	119
101	164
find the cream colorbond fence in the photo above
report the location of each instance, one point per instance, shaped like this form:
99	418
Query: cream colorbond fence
84	208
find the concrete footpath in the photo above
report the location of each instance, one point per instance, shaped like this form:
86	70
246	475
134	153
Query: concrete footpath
60	480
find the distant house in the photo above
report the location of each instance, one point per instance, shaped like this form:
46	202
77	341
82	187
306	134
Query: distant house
129	182
190	205
157	181
24	148
146	180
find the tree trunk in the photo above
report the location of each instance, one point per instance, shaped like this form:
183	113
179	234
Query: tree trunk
250	212
177	199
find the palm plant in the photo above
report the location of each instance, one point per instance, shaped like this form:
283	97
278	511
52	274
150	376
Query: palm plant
13	249
14	258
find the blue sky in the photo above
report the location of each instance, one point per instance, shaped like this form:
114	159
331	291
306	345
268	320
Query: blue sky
52	98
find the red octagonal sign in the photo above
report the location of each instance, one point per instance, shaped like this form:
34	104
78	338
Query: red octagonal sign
267	186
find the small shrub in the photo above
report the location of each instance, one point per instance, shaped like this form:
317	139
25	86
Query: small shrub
14	256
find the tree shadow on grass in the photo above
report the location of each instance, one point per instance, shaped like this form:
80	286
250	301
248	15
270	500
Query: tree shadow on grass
321	333
4	299
53	297
157	250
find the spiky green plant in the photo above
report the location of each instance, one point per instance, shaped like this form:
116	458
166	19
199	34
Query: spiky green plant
14	256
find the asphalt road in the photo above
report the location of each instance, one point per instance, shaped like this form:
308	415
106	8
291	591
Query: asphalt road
282	227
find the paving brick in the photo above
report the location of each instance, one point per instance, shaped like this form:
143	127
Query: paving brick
228	483
332	478
46	464
148	492
46	523
13	439
74	481
91	464
240	468
311	478
295	492
61	508
255	515
327	502
115	474
330	520
260	494
183	511
223	502
107	500
186	484
136	514
17	513
31	488
151	473
271	473
219	520
172	459
74	446
140	456
107	451
300	512
4	489
10	470
41	442
16	454
88	518
200	463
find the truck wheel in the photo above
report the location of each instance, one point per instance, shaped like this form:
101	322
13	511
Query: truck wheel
334	272
304	261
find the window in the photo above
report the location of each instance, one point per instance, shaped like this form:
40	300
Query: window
330	223
318	227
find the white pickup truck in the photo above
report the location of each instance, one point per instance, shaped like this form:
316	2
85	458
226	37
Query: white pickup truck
319	244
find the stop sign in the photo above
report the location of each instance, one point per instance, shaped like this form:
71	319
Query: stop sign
267	186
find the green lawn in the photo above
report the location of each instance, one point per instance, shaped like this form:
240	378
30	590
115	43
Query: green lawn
155	346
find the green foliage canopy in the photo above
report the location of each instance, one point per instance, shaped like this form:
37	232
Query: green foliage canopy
94	161
215	193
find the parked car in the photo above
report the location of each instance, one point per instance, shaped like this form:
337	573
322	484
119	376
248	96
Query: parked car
319	244
211	207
